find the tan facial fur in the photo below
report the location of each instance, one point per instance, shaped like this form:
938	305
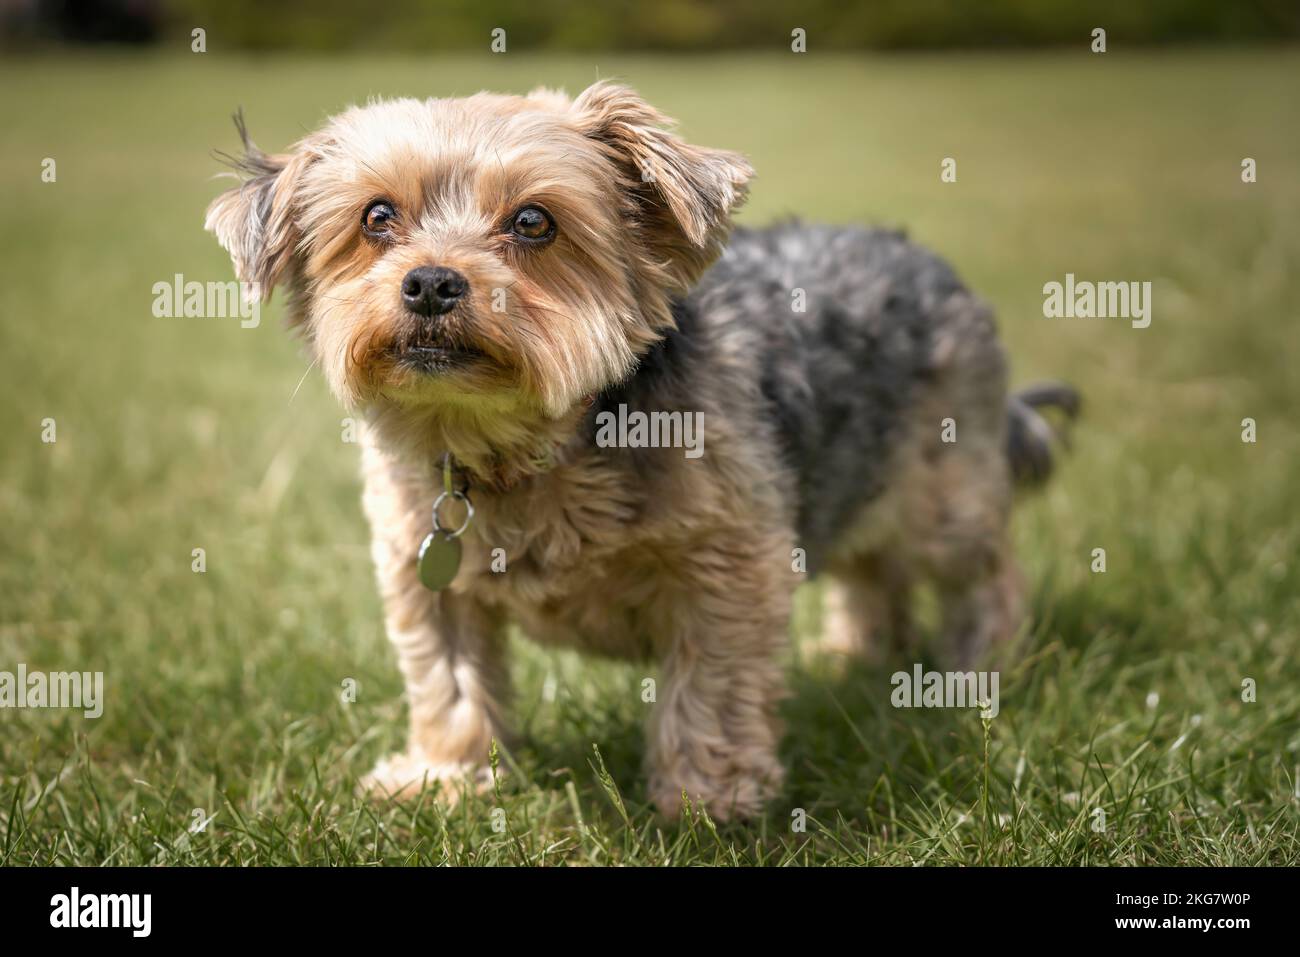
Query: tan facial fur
638	214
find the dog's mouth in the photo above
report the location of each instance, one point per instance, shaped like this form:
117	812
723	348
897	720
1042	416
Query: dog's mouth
431	359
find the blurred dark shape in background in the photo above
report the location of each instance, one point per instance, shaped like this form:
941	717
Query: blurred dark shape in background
578	25
82	21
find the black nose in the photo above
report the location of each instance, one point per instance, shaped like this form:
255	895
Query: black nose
430	291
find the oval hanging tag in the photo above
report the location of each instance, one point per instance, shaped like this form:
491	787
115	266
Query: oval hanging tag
439	560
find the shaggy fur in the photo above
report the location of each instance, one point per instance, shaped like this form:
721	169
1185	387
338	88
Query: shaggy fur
822	427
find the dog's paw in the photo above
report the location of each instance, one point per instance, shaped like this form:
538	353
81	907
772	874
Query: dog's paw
402	776
730	798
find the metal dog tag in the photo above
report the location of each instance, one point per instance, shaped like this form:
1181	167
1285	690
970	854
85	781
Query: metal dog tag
439	557
439	560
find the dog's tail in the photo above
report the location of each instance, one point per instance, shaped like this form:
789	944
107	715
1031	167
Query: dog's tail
1030	436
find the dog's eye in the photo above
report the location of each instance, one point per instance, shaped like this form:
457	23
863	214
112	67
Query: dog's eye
533	223
377	218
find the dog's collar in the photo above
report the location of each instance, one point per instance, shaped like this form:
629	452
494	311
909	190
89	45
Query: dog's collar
496	479
502	476
455	477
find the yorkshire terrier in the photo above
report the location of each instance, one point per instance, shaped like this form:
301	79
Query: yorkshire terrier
490	279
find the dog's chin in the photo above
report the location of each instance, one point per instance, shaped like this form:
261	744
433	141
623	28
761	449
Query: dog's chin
433	377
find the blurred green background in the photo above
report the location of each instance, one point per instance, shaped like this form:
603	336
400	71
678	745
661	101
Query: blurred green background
417	26
223	688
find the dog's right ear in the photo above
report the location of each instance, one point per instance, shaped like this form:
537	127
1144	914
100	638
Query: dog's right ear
255	221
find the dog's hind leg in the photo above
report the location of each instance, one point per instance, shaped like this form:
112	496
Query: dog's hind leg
982	606
868	608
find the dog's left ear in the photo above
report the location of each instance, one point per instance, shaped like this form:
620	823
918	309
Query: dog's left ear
255	221
684	194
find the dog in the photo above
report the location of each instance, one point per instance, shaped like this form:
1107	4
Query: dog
489	279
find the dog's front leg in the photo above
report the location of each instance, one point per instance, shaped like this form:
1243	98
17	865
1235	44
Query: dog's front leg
714	730
450	649
451	657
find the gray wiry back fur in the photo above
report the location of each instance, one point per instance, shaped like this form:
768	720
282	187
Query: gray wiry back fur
832	391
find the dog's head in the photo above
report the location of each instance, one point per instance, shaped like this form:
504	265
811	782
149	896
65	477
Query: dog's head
502	254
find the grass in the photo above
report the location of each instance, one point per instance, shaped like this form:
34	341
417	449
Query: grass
224	688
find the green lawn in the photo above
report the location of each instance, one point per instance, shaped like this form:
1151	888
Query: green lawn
223	688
